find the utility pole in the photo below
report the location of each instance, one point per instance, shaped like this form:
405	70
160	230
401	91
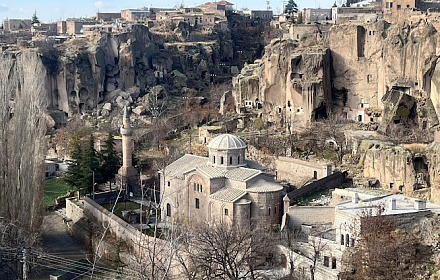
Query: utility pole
25	264
93	175
190	150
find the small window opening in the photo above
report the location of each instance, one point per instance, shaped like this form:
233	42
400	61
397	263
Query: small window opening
333	263
226	212
221	160
230	160
168	210
197	203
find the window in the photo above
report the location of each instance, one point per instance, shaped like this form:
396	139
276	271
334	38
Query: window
326	261
195	187
201	190
275	210
197	203
399	7
333	263
221	160
391	4
268	211
315	174
169	183
238	160
342	239
168	210
347	240
230	160
213	159
226	212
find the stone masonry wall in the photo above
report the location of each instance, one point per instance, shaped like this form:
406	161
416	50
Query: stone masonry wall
310	215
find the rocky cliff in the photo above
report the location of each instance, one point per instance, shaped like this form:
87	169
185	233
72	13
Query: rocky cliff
82	72
364	62
288	85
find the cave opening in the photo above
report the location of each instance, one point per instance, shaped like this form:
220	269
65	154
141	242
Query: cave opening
422	173
321	112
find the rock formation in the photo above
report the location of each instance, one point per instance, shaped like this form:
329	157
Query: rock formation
350	69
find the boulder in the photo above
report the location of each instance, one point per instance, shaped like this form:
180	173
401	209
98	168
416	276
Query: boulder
139	110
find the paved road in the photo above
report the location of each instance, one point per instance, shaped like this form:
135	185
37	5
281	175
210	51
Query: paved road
58	243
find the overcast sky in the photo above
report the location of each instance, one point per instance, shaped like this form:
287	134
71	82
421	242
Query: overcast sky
54	10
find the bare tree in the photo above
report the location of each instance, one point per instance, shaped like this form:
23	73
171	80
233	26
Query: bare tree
383	251
225	251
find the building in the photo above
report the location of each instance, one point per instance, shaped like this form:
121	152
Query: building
397	6
10	24
107	17
350	14
44	29
336	228
316	15
73	26
224	187
134	15
263	14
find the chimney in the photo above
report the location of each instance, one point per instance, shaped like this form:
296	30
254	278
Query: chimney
355	199
392	204
419	204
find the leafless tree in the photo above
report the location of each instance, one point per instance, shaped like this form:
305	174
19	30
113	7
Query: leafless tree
317	243
384	251
23	102
292	240
225	251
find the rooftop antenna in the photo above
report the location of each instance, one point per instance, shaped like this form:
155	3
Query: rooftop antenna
268	5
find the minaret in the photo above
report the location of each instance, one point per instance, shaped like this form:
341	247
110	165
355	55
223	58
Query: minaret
127	173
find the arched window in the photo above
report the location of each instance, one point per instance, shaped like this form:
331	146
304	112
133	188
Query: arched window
168	210
230	160
269	211
347	240
315	174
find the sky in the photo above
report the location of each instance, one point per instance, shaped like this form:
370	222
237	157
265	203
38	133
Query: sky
54	10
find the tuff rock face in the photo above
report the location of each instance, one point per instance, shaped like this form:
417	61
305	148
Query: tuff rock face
351	66
288	84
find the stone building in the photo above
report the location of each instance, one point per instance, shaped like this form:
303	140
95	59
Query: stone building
224	187
336	228
317	15
11	24
133	15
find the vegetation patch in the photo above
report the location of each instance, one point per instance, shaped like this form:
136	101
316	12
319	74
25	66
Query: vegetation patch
54	188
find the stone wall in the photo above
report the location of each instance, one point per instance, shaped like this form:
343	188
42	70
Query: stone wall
332	181
74	209
310	215
294	170
117	227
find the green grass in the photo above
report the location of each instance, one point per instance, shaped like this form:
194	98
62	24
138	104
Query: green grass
308	200
53	189
123	206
